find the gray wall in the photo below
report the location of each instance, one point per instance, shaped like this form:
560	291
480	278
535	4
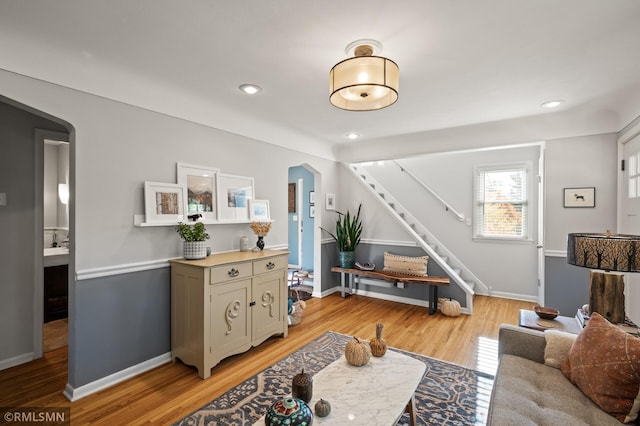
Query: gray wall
122	320
589	161
17	228
566	286
580	162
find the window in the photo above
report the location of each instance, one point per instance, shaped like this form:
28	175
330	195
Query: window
501	202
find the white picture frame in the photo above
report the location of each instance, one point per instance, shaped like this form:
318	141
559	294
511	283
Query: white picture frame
200	184
579	197
259	211
330	202
164	202
234	193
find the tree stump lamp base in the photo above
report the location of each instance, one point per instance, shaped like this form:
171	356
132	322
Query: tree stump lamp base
606	295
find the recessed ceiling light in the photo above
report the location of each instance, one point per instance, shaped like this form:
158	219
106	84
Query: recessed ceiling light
353	135
250	89
551	104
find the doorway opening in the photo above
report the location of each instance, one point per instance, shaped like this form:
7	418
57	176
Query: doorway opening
303	234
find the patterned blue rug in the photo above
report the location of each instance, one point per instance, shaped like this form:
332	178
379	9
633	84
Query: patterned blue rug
448	394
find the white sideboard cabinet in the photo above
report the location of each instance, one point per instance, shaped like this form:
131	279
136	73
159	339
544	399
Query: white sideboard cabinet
225	304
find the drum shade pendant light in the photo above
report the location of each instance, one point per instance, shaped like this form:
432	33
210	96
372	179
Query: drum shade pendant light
365	82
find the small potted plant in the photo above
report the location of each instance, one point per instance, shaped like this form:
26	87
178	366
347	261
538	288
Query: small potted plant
194	240
347	237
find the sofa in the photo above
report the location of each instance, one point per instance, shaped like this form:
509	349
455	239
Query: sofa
527	391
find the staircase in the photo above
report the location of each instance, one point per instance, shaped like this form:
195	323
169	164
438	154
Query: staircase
458	273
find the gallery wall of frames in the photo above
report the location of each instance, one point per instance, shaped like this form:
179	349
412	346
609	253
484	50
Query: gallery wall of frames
203	194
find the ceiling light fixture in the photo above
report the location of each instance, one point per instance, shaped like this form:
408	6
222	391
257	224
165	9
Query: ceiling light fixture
352	136
250	89
551	104
365	82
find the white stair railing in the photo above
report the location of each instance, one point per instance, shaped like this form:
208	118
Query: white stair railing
461	217
456	270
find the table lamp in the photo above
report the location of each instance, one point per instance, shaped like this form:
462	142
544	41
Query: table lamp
606	253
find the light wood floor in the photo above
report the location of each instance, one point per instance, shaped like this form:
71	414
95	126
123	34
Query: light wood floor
55	334
171	391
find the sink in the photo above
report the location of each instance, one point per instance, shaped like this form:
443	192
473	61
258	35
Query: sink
54	251
55	256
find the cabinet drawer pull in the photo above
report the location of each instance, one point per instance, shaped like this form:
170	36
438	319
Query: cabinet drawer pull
233	272
271	265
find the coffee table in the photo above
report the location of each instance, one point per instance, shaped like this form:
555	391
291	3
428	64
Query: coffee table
376	394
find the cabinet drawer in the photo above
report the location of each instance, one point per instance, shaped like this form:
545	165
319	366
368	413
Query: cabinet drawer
231	271
268	265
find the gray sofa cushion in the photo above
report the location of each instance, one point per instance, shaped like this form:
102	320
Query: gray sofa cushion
530	393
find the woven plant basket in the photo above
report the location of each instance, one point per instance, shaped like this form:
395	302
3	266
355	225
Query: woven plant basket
298	307
194	249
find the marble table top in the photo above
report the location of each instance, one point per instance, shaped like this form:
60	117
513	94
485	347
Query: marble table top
374	394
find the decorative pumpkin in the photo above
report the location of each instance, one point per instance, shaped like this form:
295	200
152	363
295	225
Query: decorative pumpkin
450	308
377	344
357	352
322	408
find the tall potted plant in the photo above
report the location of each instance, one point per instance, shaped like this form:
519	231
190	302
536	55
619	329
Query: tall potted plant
347	237
194	240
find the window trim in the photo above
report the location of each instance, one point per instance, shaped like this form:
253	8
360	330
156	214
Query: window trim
527	166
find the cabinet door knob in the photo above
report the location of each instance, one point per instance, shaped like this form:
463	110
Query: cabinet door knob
233	272
271	265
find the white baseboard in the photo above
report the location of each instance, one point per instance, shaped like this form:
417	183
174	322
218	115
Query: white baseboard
74	394
16	360
389	297
515	296
424	303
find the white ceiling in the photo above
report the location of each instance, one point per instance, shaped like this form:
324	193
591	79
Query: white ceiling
467	67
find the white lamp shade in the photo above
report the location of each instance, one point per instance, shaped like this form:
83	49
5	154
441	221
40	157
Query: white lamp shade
364	83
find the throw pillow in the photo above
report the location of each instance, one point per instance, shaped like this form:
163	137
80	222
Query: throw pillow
604	363
407	265
558	344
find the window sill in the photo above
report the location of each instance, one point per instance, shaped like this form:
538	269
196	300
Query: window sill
501	240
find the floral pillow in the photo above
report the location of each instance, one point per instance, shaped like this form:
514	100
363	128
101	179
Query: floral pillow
604	363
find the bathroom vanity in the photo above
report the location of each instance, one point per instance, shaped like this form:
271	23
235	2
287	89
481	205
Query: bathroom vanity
56	285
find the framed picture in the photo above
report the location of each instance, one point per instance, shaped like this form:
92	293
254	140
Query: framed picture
291	198
163	202
200	184
330	202
579	197
312	211
234	193
312	197
259	210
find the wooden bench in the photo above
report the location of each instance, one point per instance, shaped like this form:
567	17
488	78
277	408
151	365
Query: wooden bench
432	282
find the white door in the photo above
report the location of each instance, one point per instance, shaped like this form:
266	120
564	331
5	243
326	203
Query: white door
630	217
540	236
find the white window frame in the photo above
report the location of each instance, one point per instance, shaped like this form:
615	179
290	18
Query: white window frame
478	202
634	176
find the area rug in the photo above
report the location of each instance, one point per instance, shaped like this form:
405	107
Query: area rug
447	395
